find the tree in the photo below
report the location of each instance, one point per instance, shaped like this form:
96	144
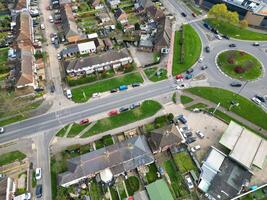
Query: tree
218	11
232	17
137	26
243	23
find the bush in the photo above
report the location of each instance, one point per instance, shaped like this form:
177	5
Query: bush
81	80
160	121
231	60
239	70
170	117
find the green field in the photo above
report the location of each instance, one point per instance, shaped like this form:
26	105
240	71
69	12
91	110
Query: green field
82	94
239	65
185	99
10	157
235	31
192	49
151	74
184	162
246	109
147	109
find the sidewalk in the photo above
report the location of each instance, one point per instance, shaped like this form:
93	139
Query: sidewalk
198	99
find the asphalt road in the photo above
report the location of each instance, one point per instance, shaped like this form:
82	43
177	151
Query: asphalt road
53	120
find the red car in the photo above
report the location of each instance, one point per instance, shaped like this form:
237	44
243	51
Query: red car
84	121
113	112
179	76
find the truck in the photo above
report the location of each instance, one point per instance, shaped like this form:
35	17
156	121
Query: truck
123	87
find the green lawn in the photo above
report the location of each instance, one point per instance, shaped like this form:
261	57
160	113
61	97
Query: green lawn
230	61
152	176
177	184
192	48
10	157
62	131
257	195
152	75
185	99
82	94
246	109
235	31
95	190
114	194
147	109
184	162
75	130
12	120
132	185
197	105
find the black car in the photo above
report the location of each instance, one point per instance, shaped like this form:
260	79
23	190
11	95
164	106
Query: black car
190	140
39	191
256	44
124	109
236	84
214	31
226	37
262	99
135	105
135	84
189	71
52	88
207	48
113	90
232	45
189	134
183	14
182	119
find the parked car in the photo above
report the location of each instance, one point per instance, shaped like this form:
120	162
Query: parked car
200	134
194	15
114	90
179	76
38	173
68	94
42	26
256	44
232	45
261	98
188	76
113	113
256	100
195	148
51	19
39	191
236	84
190	140
59	56
84	121
200	60
123	109
207	49
218	37
182	119
207	26
214	31
188	134
123	87
2	130
135	84
96	94
135	105
189	182
189	71
183	14
226	37
204	67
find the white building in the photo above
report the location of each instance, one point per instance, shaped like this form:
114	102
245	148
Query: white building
87	47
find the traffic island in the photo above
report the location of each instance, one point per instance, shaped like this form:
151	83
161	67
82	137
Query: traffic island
239	65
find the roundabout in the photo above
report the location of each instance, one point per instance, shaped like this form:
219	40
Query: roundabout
239	65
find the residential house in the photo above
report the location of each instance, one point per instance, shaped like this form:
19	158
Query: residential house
90	64
141	5
6	188
103	17
108	43
86	47
21	5
70	50
100	46
24	68
164	138
115	159
113	3
121	16
154	13
40	69
96	4
163	35
69	25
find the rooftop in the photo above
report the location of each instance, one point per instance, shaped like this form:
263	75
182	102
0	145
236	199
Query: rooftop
159	190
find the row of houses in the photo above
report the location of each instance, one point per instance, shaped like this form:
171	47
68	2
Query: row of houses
116	159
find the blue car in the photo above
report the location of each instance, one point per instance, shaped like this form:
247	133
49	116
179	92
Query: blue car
188	76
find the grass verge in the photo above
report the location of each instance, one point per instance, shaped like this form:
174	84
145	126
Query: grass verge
191	49
246	109
235	31
147	109
152	75
82	94
185	99
10	157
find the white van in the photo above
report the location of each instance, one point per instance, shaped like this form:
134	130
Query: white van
68	93
51	19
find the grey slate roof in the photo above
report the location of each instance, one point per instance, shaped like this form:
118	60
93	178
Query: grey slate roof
68	22
166	136
112	55
71	49
118	157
